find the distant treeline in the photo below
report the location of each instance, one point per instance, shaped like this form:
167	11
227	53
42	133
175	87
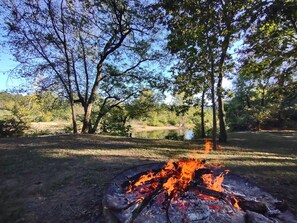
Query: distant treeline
250	108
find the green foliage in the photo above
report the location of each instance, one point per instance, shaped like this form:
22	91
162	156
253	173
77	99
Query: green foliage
260	103
52	107
18	111
196	119
265	90
114	123
35	107
202	32
12	127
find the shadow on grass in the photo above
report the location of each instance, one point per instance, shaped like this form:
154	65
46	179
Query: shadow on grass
265	142
92	142
62	178
57	189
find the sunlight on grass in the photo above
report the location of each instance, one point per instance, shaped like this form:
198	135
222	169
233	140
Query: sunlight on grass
55	164
96	153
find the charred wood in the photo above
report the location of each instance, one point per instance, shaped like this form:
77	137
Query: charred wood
255	206
253	217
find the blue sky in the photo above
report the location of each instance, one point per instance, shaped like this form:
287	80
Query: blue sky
6	63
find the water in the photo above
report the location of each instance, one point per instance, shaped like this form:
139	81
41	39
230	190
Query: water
178	134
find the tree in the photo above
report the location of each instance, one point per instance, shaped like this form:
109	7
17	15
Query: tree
203	31
268	57
84	49
256	104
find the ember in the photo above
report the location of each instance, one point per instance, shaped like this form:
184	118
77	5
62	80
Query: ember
188	190
176	177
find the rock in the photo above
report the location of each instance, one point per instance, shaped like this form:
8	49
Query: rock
281	205
256	206
253	217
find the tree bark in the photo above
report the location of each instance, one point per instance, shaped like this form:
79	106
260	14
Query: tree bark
212	81
73	116
87	124
214	113
228	17
96	124
221	111
202	115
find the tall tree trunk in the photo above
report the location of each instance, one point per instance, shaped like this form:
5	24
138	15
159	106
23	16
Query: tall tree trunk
73	117
280	116
96	124
213	100
214	113
221	111
202	115
87	124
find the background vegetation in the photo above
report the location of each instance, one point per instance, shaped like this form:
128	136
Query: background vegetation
104	63
102	66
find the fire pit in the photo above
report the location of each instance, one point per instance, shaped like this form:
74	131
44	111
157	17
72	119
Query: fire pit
189	190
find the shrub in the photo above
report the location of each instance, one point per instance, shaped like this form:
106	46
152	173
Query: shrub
12	127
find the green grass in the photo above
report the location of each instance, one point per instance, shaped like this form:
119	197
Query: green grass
62	178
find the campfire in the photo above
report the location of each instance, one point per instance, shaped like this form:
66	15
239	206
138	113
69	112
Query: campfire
189	190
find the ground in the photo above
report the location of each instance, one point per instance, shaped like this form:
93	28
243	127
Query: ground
62	178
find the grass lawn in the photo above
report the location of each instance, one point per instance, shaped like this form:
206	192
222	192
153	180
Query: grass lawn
62	178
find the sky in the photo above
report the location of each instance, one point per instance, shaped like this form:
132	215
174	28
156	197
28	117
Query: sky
6	64
8	82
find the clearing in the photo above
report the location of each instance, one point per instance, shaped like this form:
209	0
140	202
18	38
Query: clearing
62	178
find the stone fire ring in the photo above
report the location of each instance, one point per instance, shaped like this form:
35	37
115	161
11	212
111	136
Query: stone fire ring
116	210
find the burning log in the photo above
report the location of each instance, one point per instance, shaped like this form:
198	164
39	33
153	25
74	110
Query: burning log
208	192
177	177
144	203
196	203
244	204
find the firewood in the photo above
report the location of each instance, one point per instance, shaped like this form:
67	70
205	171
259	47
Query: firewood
243	203
254	206
144	203
208	192
201	171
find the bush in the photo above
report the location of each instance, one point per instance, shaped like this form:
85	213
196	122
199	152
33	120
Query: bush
114	123
12	127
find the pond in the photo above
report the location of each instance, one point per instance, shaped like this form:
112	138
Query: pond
177	134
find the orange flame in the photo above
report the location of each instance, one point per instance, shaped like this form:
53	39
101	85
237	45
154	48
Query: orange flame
235	200
184	174
212	182
207	146
176	176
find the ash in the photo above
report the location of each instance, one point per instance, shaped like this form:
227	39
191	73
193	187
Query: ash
257	206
